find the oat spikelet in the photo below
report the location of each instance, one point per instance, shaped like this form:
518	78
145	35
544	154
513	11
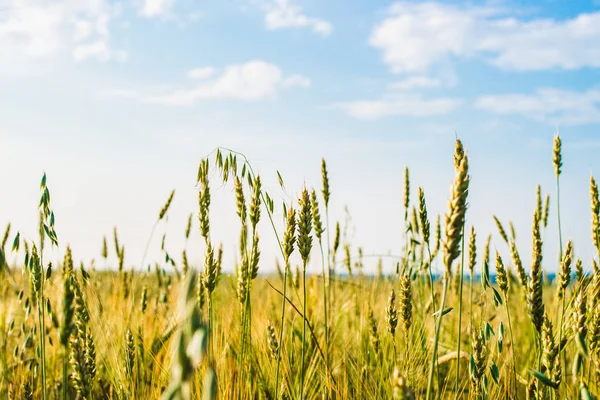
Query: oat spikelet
405	303
565	269
556	155
455	218
391	313
535	304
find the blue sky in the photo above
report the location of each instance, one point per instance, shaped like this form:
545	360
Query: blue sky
118	101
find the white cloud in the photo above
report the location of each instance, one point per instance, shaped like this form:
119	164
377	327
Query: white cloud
413	106
416	36
83	30
254	80
32	30
201	73
414	82
284	14
155	8
549	105
296	81
98	50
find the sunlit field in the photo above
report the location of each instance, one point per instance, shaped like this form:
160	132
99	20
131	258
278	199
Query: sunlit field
174	330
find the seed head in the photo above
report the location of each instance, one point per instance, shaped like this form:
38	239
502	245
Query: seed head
503	234
538	202
272	340
557	156
289	236
315	215
104	248
144	302
66	323
424	221
579	314
516	258
68	261
565	269
406	193
391	314
535	304
325	180
501	277
595	213
550	356
546	211
373	331
304	226
455	219
165	208
406	302
255	202
472	250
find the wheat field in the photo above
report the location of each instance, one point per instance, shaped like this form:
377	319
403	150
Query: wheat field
182	331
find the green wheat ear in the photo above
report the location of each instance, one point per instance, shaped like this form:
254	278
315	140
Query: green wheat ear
557	155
